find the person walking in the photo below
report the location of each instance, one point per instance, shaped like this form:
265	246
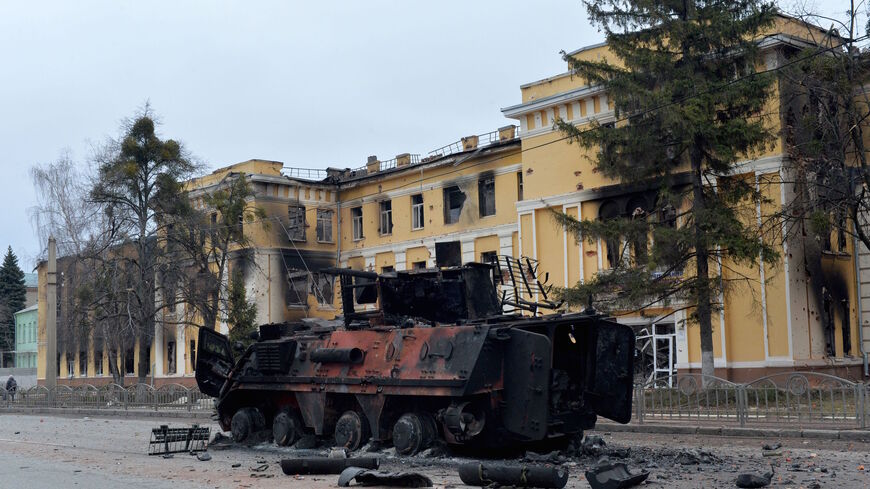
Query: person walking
11	387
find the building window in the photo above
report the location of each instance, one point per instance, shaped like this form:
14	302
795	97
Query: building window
323	288
296	223
297	290
213	218
324	225
70	365
193	354
486	196
417	211
386	223
98	363
356	218
488	257
129	362
453	201
610	210
418	265
519	185
83	364
388	269
170	357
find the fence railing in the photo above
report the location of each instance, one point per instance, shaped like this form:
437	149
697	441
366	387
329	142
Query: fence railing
799	399
170	397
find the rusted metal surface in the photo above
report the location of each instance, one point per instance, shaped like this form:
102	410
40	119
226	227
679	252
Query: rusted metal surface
437	359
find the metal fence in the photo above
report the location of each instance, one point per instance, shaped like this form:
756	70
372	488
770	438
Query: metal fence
171	397
799	399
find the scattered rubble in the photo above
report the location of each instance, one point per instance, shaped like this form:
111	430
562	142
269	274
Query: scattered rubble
750	480
614	476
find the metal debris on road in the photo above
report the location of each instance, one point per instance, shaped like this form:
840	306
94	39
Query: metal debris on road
480	474
320	465
166	440
614	476
749	480
203	457
367	477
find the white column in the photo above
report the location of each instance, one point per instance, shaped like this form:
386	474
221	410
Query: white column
370	262
506	244
180	347
158	349
401	260
430	263
467	247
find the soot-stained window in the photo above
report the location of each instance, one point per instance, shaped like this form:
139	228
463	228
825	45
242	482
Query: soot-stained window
454	199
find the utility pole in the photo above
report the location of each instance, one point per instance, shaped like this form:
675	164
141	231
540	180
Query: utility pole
51	316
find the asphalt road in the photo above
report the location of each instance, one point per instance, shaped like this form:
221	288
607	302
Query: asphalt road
56	452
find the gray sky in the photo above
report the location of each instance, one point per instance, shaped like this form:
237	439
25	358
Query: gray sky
312	84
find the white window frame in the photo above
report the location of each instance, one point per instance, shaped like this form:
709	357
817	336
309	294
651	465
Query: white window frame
324	226
417	214
386	217
356	217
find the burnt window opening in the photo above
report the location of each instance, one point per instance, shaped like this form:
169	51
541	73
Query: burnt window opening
448	254
323	288
70	365
57	364
841	231
193	354
297	290
417	211
296	223
519	185
356	218
324	225
607	148
486	196
386	221
388	269
129	362
98	363
846	327
610	210
453	202
489	257
637	211
418	265
83	363
668	216
170	357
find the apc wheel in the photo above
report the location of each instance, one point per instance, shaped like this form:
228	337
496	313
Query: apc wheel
286	428
351	430
245	422
413	432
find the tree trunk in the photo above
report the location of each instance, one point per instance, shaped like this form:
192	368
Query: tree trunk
702	269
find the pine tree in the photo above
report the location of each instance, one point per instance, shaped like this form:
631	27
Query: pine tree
13	294
689	102
241	314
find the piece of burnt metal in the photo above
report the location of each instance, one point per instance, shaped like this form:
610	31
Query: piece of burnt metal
614	476
166	440
319	465
484	474
366	477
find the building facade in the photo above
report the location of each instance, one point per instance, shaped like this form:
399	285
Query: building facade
494	194
26	337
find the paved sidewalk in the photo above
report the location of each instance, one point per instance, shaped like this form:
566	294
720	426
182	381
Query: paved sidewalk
114	413
662	428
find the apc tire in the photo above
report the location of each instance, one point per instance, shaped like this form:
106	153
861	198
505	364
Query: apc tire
413	432
286	428
246	422
351	430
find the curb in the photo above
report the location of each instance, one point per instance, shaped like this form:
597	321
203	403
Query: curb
110	413
819	434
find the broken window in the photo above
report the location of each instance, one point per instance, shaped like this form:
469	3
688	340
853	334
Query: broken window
636	210
324	225
98	363
129	362
388	269
83	363
386	222
486	196
489	257
296	223
418	265
170	357
453	201
417	211
297	290
519	185
448	254
356	218
323	288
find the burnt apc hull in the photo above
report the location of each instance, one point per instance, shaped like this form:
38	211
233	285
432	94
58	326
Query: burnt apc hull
494	381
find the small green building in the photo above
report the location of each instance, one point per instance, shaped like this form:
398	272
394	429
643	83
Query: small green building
25	337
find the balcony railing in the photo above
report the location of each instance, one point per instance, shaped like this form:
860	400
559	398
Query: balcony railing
304	173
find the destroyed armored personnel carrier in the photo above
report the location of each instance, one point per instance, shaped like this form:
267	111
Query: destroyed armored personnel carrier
424	355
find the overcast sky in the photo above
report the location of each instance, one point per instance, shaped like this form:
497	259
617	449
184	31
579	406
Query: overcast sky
312	84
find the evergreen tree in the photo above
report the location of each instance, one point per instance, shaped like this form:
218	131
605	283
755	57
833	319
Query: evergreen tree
241	314
12	298
689	103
